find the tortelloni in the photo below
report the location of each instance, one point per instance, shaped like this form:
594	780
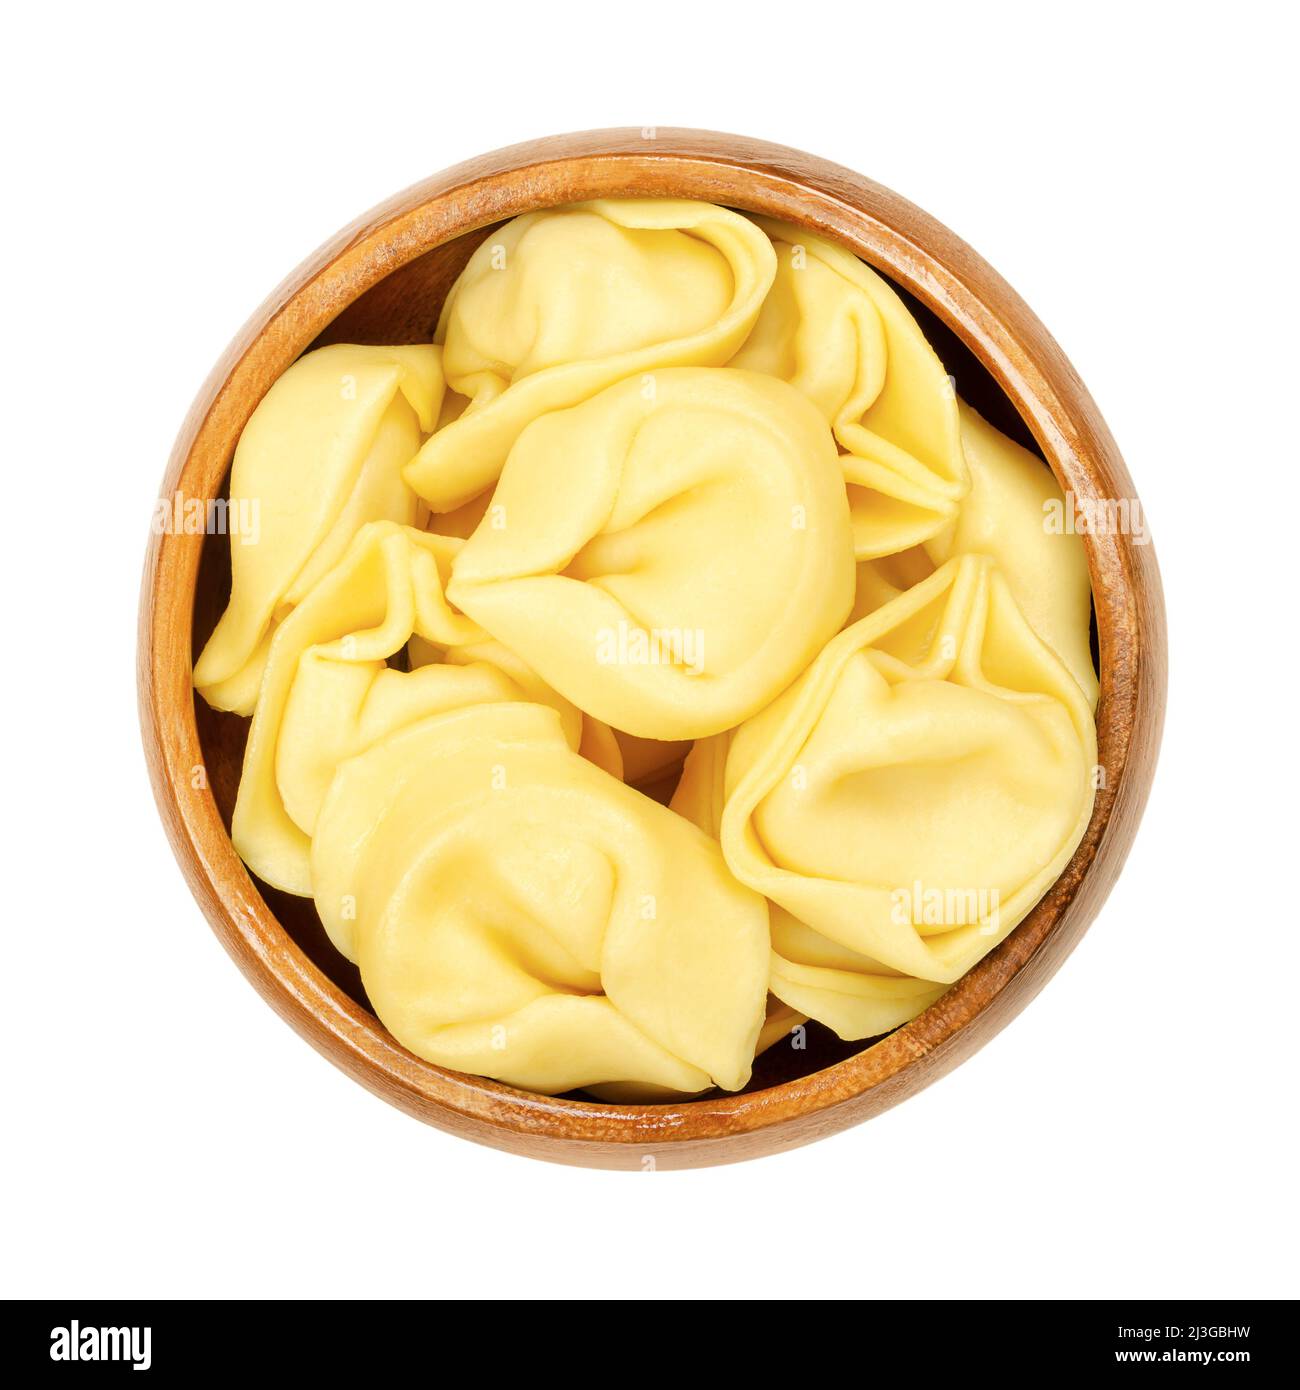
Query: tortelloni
320	456
917	790
518	913
853	995
835	330
1004	516
682	508
811	975
328	691
667	559
560	304
591	737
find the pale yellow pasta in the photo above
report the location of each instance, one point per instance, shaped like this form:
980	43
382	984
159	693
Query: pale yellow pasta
482	649
320	456
679	500
558	305
779	1024
668	560
839	333
591	737
917	790
631	759
1005	516
328	692
813	976
854	996
518	913
884	578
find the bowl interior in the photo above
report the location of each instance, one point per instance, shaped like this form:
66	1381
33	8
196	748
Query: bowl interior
403	308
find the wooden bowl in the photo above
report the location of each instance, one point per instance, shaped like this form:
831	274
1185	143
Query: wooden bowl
382	280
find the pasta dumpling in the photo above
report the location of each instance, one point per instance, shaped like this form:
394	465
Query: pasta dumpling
630	759
518	913
680	506
320	456
592	738
835	330
811	975
668	560
560	304
328	691
1003	516
915	792
853	995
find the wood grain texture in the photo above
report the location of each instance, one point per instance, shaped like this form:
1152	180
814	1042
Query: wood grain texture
383	280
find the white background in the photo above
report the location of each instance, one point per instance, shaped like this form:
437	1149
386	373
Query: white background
1130	170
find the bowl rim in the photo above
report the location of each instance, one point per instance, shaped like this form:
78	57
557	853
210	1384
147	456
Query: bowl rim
940	270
